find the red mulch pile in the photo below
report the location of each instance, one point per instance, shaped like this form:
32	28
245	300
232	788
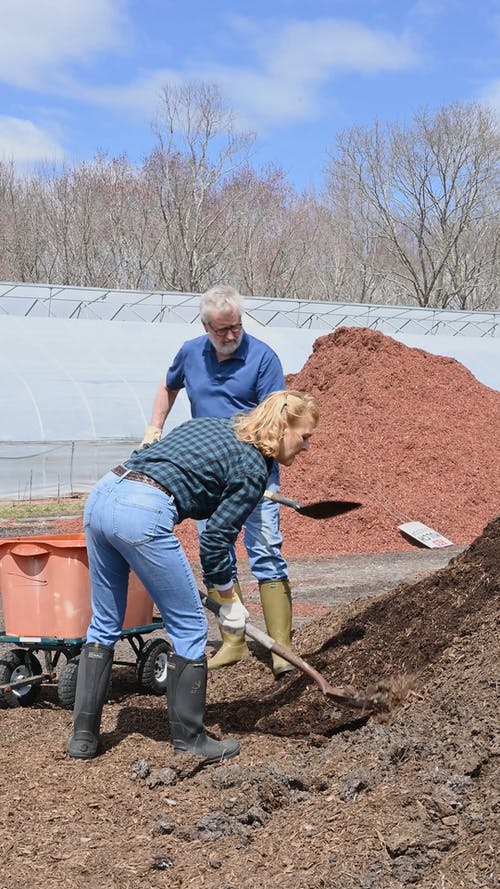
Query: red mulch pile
413	436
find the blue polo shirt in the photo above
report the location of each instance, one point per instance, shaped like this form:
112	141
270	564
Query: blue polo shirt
223	388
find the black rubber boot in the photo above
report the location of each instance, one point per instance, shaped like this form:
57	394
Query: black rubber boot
94	671
186	697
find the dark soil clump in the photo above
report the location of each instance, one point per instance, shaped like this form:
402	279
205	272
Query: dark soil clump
320	796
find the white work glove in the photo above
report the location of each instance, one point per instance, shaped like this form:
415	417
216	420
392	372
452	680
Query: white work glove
151	434
233	615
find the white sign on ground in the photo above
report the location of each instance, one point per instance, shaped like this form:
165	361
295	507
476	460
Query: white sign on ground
426	536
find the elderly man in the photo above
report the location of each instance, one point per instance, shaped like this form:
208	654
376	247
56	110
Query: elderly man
225	372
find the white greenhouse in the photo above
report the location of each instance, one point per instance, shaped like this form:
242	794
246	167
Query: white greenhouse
80	368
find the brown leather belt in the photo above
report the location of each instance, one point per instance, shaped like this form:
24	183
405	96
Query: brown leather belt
140	477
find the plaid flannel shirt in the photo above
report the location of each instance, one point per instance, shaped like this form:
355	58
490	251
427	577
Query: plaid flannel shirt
212	475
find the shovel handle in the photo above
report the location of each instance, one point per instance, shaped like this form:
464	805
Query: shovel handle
279	498
338	694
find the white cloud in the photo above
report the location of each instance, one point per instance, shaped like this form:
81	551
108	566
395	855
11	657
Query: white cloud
39	37
292	64
141	96
42	43
491	95
260	98
25	143
316	50
296	62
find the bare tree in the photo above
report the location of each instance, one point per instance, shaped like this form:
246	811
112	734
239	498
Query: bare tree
132	233
428	191
199	149
23	235
8	265
409	215
356	252
270	242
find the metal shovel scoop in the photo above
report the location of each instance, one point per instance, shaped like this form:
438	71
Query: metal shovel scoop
346	697
322	509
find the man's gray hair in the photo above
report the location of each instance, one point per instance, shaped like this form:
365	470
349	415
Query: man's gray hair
221	298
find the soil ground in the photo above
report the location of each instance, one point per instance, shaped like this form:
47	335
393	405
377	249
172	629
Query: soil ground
320	796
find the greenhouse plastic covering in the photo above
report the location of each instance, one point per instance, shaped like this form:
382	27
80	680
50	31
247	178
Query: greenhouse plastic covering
77	391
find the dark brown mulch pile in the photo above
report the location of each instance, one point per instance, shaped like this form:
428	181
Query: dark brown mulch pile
319	797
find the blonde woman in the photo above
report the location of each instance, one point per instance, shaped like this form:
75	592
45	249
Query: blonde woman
206	468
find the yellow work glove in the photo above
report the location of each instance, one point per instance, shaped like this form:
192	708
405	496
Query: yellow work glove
151	434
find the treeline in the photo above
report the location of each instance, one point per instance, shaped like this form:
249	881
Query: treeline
406	215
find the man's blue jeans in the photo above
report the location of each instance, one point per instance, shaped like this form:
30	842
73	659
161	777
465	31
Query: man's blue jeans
129	524
262	537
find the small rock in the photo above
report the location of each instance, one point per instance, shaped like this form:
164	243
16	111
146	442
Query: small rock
475	822
164	776
215	863
227	776
355	783
469	765
402	842
254	816
369	881
163	826
141	768
214	826
161	862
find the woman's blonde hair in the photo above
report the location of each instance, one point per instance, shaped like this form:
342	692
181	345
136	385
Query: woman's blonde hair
265	425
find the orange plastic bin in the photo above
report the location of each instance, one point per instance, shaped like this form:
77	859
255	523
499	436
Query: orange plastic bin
45	587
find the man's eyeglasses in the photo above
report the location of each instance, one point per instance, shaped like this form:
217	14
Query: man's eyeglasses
223	331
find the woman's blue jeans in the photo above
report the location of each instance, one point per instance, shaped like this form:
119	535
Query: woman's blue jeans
129	524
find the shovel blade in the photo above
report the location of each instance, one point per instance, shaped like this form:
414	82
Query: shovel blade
346	697
327	509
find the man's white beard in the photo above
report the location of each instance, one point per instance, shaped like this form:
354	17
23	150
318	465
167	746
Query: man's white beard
224	348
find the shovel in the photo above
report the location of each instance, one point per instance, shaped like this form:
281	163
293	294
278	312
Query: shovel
323	509
346	697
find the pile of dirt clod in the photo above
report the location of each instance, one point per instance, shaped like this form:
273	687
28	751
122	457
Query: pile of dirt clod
320	798
413	436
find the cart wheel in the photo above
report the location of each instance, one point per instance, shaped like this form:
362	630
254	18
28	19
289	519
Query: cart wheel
14	665
152	666
66	685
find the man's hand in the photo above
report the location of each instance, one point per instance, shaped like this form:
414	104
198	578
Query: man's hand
233	615
151	434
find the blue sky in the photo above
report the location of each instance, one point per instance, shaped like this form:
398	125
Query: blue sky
82	76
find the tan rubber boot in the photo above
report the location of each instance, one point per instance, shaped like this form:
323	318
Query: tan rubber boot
234	647
276	599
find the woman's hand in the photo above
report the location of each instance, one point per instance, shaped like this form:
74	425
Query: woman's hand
233	615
